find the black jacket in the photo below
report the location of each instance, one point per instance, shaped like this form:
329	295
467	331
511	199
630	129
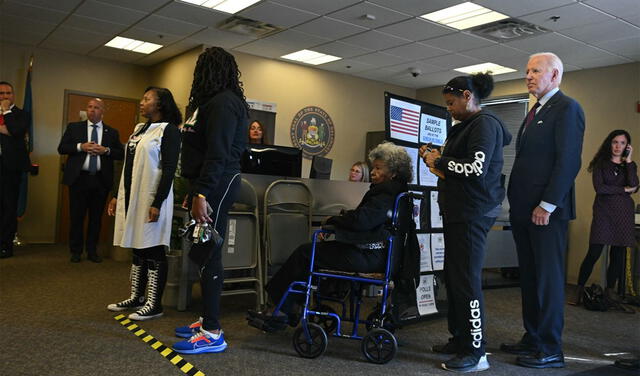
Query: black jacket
14	150
213	146
366	223
472	162
76	133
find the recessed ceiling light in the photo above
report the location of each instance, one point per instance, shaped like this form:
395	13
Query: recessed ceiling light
227	6
492	68
133	45
464	16
310	57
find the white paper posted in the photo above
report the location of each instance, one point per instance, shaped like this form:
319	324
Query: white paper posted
437	251
436	218
424	240
426	300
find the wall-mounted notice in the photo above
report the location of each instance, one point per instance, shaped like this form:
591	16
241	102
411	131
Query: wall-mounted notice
427	178
425	297
436	218
417	209
424	240
432	129
437	251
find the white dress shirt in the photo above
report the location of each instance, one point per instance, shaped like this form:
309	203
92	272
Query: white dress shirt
85	165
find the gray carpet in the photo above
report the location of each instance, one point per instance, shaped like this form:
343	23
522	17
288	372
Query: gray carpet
53	321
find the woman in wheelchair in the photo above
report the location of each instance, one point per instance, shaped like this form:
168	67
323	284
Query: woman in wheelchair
360	244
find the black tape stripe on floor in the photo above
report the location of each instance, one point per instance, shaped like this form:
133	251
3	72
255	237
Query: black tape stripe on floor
172	356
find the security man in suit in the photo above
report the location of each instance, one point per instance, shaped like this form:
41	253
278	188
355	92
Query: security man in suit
542	199
92	146
14	161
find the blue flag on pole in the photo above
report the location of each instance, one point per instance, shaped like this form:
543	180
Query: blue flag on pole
28	108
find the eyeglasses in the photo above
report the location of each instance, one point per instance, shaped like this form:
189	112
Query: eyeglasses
450	88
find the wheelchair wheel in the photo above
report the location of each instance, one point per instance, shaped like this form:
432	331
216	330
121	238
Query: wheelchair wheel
374	321
379	346
327	322
313	348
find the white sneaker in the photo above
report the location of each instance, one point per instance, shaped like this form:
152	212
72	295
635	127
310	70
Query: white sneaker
466	364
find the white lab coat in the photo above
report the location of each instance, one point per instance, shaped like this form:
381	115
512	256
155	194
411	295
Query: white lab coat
133	229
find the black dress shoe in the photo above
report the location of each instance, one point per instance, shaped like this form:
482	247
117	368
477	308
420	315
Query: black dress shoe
75	258
95	258
518	348
6	253
541	360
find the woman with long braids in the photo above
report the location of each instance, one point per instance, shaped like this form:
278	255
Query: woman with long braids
214	137
615	178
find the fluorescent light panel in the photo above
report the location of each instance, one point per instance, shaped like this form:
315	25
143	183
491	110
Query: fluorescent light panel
464	16
310	57
494	69
133	45
227	6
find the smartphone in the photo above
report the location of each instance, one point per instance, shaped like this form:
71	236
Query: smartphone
625	153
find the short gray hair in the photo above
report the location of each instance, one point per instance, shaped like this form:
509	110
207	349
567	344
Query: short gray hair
396	159
553	61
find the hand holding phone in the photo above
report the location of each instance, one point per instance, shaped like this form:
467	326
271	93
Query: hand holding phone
626	152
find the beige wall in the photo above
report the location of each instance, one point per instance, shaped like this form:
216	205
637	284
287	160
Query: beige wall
355	105
609	97
53	72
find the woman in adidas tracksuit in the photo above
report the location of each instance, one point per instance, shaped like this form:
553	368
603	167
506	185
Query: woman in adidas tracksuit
470	195
214	138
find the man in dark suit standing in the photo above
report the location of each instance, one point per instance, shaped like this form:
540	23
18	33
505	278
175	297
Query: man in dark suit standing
14	161
92	146
542	199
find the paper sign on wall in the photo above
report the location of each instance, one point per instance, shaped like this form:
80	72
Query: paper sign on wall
437	251
424	240
436	218
425	297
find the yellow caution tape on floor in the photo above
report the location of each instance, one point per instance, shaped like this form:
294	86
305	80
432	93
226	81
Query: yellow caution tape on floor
172	356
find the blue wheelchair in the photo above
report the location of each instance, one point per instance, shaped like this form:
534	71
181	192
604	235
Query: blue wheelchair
379	345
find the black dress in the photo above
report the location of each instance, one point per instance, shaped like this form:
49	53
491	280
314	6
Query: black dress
613	208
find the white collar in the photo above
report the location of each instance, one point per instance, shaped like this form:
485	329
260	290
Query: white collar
545	98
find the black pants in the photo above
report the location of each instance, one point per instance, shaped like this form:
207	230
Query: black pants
155	253
209	256
329	255
9	190
616	264
464	245
541	256
86	195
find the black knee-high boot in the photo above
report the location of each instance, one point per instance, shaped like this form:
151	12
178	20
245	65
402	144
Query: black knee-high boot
138	279
157	279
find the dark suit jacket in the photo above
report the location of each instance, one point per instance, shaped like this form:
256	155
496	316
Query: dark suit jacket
14	150
77	133
548	160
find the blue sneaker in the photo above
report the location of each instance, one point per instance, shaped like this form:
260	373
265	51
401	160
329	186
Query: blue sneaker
202	342
189	330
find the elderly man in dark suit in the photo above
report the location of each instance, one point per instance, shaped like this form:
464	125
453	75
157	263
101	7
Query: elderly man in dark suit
14	160
92	146
542	199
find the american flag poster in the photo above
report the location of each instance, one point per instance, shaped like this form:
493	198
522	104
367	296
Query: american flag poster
404	120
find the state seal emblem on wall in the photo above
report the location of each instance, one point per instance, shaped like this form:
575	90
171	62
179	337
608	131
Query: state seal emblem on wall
312	131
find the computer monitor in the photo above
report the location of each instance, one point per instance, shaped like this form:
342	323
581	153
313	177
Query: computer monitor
320	168
272	160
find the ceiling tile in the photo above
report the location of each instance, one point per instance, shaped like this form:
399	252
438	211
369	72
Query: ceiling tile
383	16
424	68
329	28
317	7
346	66
23	30
342	49
166	53
265	48
416	51
378	74
452	61
602	31
78	41
168	25
276	14
150	36
193	14
602	61
214	37
458	42
111	13
143	5
296	39
627	47
87	23
628	10
495	52
520	8
375	40
31	12
416	29
63	5
123	56
570	16
76	46
566	48
379	59
416	7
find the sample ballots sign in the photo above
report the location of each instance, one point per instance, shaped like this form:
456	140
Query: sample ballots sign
432	129
404	120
